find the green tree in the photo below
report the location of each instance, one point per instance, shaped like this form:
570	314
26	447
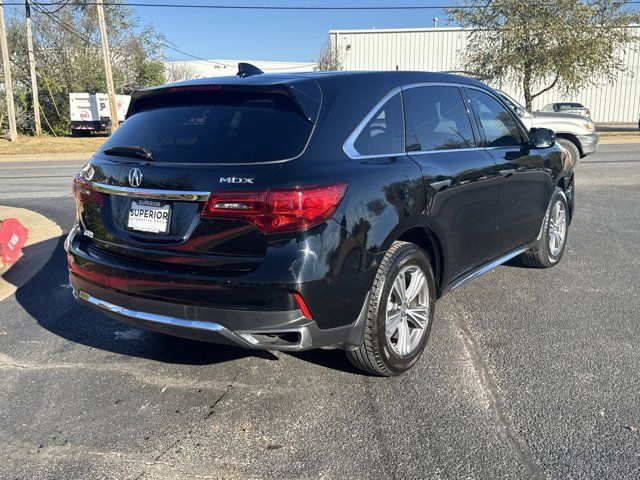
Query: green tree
69	59
540	45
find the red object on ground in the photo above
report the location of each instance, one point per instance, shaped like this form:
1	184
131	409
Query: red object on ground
13	236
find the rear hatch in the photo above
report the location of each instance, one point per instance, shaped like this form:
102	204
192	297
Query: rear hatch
149	194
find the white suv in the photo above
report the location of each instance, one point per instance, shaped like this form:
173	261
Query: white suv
575	133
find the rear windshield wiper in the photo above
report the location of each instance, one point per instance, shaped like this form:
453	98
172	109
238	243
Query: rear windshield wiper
133	152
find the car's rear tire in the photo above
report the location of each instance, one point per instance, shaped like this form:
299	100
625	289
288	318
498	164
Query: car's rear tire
554	234
399	313
571	148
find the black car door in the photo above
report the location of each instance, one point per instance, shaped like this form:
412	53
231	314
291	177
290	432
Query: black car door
461	178
525	185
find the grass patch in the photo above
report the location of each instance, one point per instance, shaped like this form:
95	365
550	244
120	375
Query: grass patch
46	144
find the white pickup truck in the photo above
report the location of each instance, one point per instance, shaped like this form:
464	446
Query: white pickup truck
575	133
90	112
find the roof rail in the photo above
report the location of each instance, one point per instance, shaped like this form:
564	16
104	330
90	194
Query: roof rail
248	70
467	73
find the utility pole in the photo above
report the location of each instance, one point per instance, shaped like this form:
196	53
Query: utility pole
32	69
8	85
113	107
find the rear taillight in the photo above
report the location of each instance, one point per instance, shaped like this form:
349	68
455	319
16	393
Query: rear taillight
300	209
278	210
83	192
244	205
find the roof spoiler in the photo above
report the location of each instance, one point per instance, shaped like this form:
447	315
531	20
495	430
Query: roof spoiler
248	70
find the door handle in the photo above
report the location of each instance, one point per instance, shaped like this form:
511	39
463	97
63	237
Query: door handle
508	172
441	185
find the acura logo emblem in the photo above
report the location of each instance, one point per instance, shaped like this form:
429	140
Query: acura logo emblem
135	177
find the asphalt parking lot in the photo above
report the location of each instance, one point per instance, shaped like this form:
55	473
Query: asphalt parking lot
529	373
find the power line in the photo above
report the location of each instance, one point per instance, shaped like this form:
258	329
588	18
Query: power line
173	46
280	7
69	28
61	4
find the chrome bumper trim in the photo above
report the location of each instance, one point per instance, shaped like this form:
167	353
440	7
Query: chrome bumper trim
243	338
155	318
179	195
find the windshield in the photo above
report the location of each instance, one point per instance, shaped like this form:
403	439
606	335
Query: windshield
216	128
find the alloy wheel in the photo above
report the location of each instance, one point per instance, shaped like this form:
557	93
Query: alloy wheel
557	228
407	315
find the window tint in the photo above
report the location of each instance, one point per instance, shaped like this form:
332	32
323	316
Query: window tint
384	134
500	128
436	119
220	127
568	106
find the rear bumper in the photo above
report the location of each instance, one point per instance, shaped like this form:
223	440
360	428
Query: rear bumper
589	143
268	330
255	315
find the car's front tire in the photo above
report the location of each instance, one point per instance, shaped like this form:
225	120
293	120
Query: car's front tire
399	314
554	233
571	149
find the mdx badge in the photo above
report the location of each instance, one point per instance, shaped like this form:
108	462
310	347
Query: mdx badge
236	180
135	177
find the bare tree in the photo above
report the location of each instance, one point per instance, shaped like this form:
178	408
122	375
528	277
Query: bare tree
329	58
177	71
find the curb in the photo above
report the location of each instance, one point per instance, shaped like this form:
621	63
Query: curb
619	139
42	241
45	157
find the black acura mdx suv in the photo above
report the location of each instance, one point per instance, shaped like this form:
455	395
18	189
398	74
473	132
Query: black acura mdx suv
296	211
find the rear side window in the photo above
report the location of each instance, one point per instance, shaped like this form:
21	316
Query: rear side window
217	127
500	127
384	134
436	119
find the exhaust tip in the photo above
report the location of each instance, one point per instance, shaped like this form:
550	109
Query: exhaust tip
283	340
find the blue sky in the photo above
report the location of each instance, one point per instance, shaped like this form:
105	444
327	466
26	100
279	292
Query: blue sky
274	35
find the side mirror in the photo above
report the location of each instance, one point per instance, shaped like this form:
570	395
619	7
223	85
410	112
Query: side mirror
542	138
521	112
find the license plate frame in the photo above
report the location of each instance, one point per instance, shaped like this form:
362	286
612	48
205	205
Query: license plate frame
151	223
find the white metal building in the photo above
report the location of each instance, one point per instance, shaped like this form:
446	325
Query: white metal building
438	49
188	69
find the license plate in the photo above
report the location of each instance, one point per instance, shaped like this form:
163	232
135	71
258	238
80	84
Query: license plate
149	216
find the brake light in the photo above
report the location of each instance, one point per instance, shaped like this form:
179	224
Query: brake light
195	88
244	205
277	211
301	209
83	192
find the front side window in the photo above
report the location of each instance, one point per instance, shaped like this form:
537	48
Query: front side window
384	133
500	128
436	119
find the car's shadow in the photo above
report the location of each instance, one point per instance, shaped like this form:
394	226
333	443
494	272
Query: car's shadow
48	298
516	262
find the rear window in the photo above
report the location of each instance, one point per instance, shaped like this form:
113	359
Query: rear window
216	127
569	106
